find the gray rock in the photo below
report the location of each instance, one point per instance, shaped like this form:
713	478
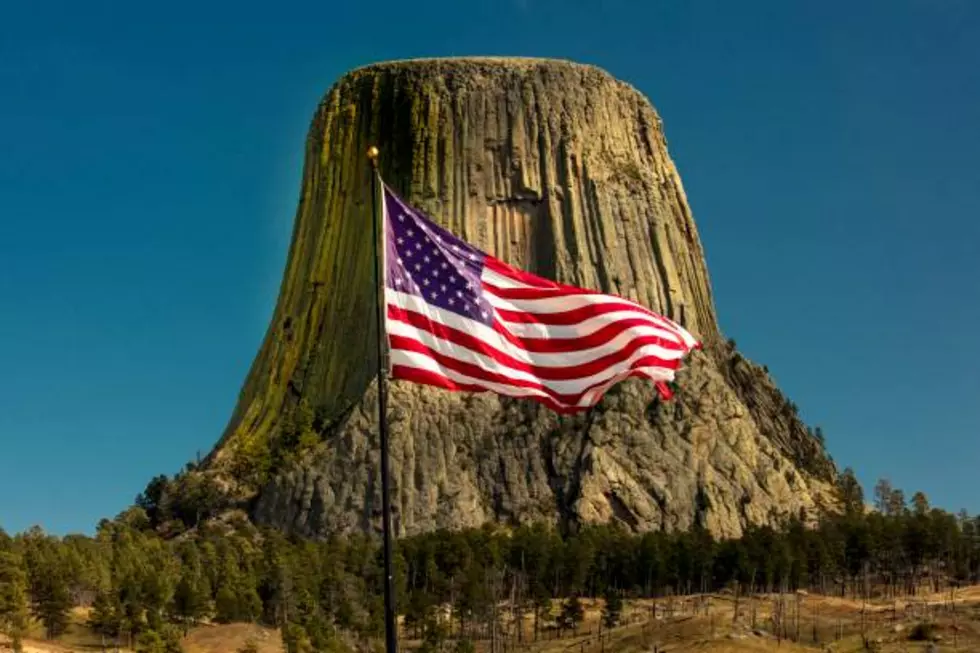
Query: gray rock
562	170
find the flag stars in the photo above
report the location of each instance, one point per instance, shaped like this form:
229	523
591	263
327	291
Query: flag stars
418	245
410	233
426	259
418	266
425	282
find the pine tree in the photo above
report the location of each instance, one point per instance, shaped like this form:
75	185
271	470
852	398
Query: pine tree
150	641
572	613
171	639
226	605
191	597
885	497
13	598
51	595
851	494
295	640
107	614
920	504
613	609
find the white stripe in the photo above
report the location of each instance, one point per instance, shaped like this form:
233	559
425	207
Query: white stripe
423	362
501	281
427	363
563	303
542	359
563	386
587	326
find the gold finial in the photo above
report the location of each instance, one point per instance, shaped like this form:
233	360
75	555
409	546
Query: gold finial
372	154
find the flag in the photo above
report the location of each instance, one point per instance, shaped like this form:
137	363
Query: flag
462	320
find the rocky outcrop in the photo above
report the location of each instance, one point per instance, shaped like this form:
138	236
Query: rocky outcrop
562	170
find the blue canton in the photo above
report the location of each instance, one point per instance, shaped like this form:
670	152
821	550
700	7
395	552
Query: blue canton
425	260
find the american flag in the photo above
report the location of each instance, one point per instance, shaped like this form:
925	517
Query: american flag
460	319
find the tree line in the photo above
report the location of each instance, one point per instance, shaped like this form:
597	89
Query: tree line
167	564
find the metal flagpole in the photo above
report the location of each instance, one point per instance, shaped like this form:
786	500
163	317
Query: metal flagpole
391	636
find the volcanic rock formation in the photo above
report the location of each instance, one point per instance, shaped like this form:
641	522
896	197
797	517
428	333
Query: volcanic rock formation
559	169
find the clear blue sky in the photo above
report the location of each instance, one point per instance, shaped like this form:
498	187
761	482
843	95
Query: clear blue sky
150	156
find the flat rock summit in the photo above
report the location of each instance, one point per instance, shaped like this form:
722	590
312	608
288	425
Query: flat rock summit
562	170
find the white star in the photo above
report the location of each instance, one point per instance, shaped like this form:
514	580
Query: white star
434	294
410	233
483	314
418	245
398	282
444	265
451	301
401	217
469	286
408	254
418	267
401	240
426	259
443	286
459	293
452	278
438	239
466	307
435	273
425	282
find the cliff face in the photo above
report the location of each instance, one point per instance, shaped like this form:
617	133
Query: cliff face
559	169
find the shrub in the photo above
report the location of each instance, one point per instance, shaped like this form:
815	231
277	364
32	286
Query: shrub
923	632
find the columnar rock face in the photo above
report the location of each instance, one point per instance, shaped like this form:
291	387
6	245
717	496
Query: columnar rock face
559	169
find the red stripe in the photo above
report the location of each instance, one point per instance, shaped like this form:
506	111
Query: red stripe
477	372
415	375
549	290
595	339
566	373
582	313
519	294
521	276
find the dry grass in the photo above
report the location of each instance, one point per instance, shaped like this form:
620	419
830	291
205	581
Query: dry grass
230	638
705	625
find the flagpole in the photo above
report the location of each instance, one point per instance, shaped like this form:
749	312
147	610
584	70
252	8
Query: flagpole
391	636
